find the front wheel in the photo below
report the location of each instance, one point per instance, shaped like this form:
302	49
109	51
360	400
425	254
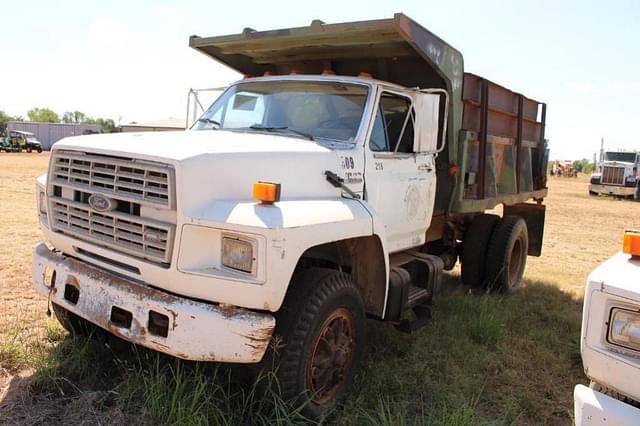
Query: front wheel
75	325
322	327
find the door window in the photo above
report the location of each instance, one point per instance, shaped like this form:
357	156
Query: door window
393	125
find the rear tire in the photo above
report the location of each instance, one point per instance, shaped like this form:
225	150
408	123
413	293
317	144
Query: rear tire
474	249
507	254
322	327
593	193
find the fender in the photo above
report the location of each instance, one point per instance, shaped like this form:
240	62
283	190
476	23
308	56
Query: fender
290	228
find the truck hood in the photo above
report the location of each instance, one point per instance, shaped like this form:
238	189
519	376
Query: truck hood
215	165
181	145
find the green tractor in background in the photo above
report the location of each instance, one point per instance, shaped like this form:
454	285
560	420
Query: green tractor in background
17	141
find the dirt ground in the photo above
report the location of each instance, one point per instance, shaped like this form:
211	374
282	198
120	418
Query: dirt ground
581	231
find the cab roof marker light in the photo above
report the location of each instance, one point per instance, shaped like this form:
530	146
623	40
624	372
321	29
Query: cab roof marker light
631	243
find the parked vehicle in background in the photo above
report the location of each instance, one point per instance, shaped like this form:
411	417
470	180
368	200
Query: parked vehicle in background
610	343
17	141
302	202
618	175
563	168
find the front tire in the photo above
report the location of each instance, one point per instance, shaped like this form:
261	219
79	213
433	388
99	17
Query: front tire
75	325
322	327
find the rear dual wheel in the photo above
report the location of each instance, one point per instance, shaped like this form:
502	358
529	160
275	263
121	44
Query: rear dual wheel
507	254
494	253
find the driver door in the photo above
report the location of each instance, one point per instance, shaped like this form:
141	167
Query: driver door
400	180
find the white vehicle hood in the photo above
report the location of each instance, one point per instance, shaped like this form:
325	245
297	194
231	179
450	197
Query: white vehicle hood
215	165
619	275
180	145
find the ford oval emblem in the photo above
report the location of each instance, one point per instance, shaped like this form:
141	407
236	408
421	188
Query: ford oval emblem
101	203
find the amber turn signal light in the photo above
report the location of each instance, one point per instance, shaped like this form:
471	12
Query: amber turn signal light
266	192
631	243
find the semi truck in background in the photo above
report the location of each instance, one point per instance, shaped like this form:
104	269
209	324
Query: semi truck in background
336	182
617	175
610	343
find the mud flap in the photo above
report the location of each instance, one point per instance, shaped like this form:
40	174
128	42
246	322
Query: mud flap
534	216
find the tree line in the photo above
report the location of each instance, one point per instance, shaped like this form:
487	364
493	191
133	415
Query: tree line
47	115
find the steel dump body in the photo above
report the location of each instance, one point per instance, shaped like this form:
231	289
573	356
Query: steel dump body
496	151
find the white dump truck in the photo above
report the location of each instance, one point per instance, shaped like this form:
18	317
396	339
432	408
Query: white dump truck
610	343
618	175
334	183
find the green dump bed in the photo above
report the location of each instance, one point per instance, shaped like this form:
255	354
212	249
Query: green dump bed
496	151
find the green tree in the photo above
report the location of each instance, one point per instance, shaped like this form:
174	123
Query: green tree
5	118
107	125
74	117
43	115
583	166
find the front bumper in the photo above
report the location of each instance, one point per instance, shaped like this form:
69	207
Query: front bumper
595	408
622	191
194	330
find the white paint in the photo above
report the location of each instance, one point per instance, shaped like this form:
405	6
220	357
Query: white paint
215	171
594	408
612	284
197	331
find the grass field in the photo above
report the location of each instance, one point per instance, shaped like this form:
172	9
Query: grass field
485	359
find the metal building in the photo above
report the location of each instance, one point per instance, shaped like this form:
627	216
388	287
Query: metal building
169	124
50	133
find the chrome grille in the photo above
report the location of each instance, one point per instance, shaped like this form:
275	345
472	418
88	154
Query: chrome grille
613	175
133	235
132	180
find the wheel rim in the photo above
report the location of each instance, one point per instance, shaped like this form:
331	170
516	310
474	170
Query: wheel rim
516	263
331	357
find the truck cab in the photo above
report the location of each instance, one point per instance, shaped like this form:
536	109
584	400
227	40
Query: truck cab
308	197
618	175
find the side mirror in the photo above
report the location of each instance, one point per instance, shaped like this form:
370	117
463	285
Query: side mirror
427	107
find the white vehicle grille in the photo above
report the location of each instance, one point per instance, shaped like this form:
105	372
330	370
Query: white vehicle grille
132	185
131	180
132	235
613	175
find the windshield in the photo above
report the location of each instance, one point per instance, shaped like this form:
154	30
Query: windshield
314	110
629	157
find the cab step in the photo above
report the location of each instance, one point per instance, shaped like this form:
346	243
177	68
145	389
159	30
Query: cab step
412	280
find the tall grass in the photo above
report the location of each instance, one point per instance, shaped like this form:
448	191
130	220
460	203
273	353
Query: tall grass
485	359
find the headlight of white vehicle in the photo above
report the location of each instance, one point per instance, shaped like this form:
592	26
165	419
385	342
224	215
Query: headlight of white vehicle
624	328
238	254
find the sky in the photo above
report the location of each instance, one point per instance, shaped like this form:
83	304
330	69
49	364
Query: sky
130	60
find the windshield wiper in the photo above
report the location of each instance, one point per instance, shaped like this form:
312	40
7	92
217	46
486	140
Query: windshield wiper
282	128
209	121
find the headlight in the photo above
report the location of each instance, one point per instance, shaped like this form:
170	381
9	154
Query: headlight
238	254
42	203
624	328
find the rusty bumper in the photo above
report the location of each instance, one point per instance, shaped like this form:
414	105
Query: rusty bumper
149	317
